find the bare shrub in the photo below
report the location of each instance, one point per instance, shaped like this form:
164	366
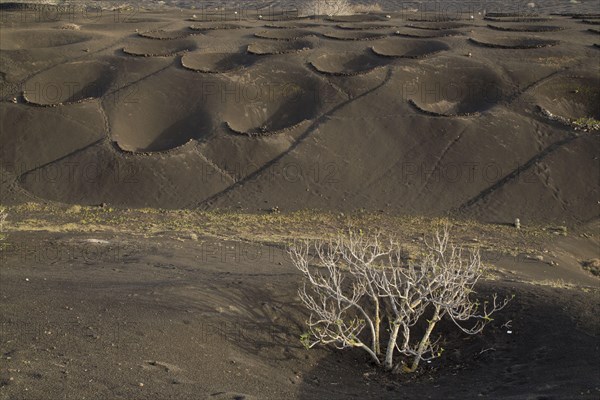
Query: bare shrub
355	283
326	7
367	8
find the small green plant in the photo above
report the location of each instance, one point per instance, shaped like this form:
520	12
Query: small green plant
586	124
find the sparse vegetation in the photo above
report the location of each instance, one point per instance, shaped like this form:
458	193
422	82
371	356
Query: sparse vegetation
3	216
275	228
358	284
555	283
586	124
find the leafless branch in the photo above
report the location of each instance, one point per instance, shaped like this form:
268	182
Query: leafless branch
357	281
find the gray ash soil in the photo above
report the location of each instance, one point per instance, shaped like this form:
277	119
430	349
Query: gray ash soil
161	111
